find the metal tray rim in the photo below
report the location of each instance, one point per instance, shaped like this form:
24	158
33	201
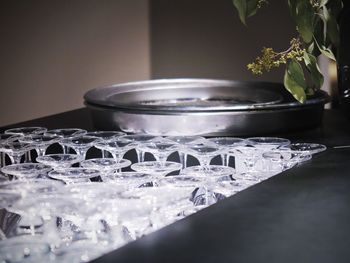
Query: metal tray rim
90	97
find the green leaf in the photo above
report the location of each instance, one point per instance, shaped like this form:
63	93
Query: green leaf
304	14
323	2
292	8
245	8
331	26
325	51
311	48
319	28
252	7
335	7
295	70
294	80
313	68
241	6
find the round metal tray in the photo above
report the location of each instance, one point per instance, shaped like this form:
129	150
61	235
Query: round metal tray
201	107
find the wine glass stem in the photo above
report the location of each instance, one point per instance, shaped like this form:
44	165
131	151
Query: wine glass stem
117	156
15	159
81	152
162	159
204	162
2	159
40	151
104	154
225	159
65	149
250	162
140	155
27	157
183	159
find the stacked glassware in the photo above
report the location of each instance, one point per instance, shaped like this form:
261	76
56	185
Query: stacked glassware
68	207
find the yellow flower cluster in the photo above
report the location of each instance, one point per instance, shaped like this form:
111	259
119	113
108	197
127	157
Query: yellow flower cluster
261	3
315	3
270	59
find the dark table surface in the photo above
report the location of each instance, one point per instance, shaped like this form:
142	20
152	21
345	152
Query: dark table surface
300	215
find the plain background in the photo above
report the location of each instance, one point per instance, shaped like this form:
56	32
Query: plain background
53	51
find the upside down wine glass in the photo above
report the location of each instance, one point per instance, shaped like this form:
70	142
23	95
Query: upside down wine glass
138	139
106	136
204	151
105	165
74	174
161	148
25	171
305	149
80	144
3	139
264	144
267	143
283	158
117	147
40	142
15	149
228	145
24	131
183	141
59	160
156	169
250	156
66	133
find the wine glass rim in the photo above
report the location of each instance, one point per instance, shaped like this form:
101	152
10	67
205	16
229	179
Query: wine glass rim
268	140
38	128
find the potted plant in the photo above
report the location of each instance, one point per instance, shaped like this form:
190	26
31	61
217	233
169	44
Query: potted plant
317	33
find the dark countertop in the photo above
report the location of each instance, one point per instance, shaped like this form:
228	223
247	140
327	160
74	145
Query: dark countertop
301	215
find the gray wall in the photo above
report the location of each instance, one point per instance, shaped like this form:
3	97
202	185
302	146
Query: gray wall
52	52
204	38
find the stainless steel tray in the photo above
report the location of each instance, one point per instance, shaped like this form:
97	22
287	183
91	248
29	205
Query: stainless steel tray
201	107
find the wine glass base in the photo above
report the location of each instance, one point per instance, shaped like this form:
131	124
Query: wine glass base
210	170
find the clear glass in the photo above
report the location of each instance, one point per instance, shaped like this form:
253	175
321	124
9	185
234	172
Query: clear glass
40	142
59	160
307	148
106	136
204	151
80	251
80	144
130	179
160	148
227	144
15	149
8	198
139	139
66	133
3	139
33	186
25	171
211	171
267	143
184	140
23	249
284	158
73	175
250	155
156	169
26	130
105	165
117	147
